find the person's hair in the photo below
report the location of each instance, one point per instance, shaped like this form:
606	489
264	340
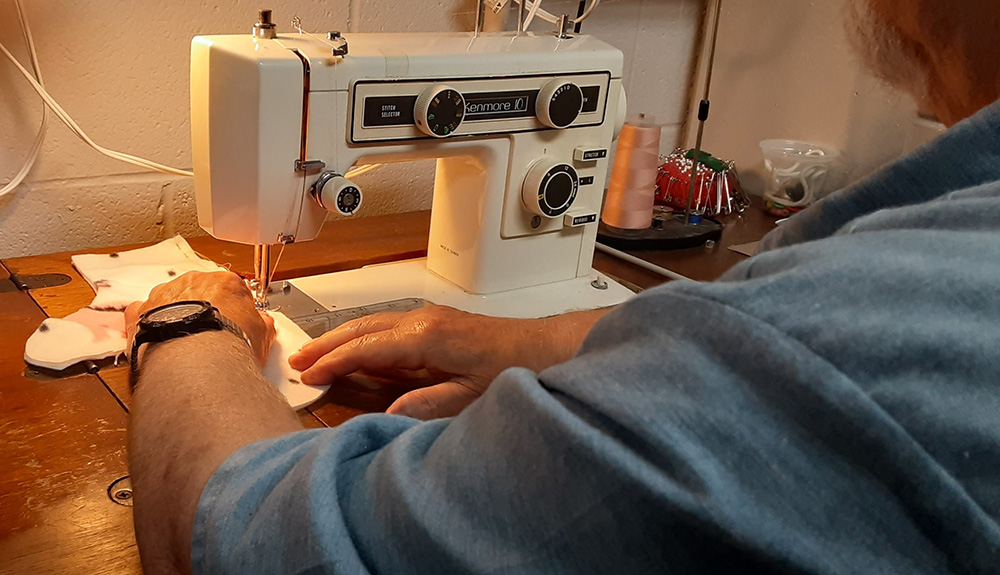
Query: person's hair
884	50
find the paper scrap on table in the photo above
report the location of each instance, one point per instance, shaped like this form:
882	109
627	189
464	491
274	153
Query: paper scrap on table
97	331
749	250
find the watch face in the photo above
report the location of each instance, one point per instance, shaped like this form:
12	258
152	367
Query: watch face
175	312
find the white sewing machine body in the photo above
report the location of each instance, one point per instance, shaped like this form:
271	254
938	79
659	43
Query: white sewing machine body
515	200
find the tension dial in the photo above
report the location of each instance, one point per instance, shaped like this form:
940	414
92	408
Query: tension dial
559	103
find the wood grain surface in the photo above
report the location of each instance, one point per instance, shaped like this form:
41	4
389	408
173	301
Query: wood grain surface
62	444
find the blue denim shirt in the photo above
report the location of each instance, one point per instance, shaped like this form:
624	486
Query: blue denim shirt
829	406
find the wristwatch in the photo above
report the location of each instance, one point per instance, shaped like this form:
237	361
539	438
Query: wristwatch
175	320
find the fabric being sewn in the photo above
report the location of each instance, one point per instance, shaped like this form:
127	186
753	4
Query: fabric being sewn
97	331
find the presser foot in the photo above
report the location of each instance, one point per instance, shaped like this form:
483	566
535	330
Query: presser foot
259	295
278	296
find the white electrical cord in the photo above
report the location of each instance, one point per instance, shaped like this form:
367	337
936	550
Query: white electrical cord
50	102
641	263
590	8
36	146
78	131
535	7
60	113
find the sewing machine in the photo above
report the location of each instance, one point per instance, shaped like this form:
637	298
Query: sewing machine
520	125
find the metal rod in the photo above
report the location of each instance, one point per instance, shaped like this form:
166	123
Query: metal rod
561	26
711	52
703	108
261	273
694	172
480	16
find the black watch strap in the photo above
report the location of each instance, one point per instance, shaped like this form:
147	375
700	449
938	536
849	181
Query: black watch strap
160	332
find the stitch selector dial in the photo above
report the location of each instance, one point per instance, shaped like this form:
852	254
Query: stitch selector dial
550	188
559	103
439	111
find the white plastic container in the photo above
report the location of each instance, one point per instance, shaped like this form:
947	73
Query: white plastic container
796	171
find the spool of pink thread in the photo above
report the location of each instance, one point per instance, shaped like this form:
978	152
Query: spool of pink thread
631	192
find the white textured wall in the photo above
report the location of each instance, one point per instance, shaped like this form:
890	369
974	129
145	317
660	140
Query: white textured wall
784	70
121	70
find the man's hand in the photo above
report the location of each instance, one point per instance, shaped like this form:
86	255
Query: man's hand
466	351
226	291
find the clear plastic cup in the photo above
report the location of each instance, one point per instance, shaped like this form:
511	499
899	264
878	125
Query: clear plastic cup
796	171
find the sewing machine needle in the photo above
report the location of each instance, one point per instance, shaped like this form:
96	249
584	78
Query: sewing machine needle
262	274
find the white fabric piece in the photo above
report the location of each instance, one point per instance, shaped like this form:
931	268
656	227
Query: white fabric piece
98	330
85	334
289	338
124	277
174	251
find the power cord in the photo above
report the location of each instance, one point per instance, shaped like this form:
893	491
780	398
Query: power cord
534	8
65	117
36	146
35	81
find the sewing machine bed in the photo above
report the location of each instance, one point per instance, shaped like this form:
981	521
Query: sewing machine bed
322	302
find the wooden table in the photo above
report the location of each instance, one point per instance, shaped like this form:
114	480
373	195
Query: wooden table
62	441
702	263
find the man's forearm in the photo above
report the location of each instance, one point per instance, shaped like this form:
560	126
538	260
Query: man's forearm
199	398
569	330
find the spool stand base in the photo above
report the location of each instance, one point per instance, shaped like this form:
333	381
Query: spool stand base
667	233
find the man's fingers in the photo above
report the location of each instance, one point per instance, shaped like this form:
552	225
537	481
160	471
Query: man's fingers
441	400
378	351
331	340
